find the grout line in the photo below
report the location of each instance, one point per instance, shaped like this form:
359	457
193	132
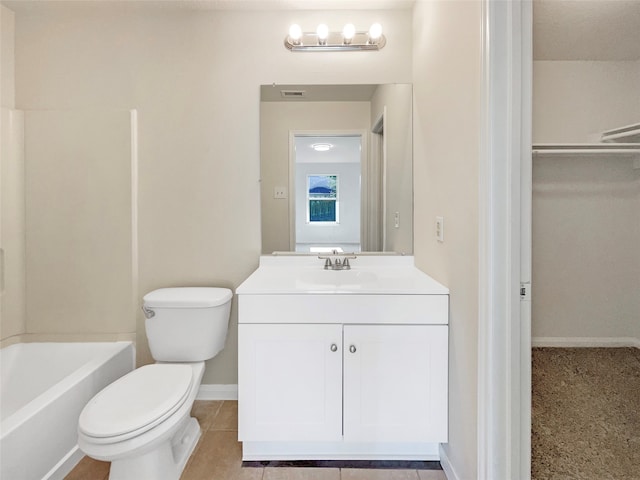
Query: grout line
213	419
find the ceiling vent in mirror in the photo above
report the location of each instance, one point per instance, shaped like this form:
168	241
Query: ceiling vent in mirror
293	93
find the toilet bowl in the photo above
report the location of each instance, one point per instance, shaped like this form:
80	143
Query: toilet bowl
141	423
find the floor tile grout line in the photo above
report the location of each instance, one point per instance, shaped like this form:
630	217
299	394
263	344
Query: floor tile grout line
213	420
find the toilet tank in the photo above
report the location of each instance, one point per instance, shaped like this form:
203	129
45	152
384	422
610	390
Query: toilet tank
187	324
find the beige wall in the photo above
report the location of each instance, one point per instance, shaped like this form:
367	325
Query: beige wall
197	95
7	57
447	124
397	99
586	215
574	101
276	120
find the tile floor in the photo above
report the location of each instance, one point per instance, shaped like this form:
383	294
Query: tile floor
218	457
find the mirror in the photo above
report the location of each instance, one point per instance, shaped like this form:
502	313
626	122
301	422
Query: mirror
336	168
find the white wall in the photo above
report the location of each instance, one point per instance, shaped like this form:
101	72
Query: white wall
398	135
586	215
196	90
447	124
276	120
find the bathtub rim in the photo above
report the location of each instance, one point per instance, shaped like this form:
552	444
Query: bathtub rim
13	421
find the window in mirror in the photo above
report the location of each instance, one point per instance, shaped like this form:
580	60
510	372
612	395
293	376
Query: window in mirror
322	199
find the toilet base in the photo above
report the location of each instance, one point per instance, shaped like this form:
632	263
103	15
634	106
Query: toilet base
165	462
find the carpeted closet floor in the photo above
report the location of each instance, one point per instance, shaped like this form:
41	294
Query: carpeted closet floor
586	414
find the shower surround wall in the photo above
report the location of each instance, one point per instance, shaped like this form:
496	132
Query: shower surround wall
12	218
69	225
81	248
586	211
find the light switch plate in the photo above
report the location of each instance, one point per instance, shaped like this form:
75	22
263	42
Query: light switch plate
440	229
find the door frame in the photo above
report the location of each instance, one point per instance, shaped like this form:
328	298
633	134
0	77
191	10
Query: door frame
504	323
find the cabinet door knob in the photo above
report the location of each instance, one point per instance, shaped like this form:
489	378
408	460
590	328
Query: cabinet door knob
334	347
352	349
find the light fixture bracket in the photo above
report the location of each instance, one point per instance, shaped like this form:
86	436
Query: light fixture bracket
335	42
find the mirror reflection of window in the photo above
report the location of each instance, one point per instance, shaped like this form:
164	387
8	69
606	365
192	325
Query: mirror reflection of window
309	134
322	199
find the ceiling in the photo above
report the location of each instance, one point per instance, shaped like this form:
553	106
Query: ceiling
345	149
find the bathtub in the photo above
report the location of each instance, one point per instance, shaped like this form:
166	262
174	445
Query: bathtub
44	387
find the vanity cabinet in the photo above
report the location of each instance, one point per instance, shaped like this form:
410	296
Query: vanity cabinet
304	383
395	383
341	376
290	382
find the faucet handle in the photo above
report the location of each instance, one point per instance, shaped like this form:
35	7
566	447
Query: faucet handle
345	264
327	262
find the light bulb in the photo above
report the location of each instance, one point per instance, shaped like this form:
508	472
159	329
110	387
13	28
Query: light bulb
375	32
323	33
348	32
295	34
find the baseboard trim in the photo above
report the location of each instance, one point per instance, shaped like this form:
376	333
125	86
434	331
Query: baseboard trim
65	465
569	342
217	392
447	467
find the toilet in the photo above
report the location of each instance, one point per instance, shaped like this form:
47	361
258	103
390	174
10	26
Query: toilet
141	423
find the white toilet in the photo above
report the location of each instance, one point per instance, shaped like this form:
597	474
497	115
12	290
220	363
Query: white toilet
141	422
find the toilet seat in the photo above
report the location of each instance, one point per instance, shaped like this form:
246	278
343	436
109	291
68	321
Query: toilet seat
136	403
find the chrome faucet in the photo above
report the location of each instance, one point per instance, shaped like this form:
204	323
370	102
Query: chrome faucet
339	263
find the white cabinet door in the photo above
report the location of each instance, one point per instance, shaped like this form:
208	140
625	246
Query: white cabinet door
395	383
290	382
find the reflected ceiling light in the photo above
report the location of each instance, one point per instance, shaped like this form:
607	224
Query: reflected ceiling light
324	40
322	147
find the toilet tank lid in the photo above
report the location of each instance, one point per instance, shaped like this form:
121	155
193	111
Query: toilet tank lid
187	297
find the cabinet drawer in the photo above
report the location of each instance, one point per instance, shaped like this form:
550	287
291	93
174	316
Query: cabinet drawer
353	309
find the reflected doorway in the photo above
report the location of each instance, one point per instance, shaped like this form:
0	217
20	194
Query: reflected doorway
326	172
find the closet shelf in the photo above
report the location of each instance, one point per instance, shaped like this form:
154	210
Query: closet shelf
626	134
602	150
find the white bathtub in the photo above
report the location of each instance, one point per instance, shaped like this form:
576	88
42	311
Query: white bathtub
44	387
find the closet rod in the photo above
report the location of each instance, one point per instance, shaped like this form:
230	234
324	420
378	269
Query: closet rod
628	133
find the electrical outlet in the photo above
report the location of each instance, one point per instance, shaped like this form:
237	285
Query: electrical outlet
280	192
440	229
396	219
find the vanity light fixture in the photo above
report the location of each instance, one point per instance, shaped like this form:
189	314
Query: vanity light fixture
322	147
323	40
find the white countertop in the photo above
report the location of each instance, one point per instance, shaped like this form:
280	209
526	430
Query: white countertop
369	275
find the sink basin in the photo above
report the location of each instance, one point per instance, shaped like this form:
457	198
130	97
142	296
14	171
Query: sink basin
351	278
